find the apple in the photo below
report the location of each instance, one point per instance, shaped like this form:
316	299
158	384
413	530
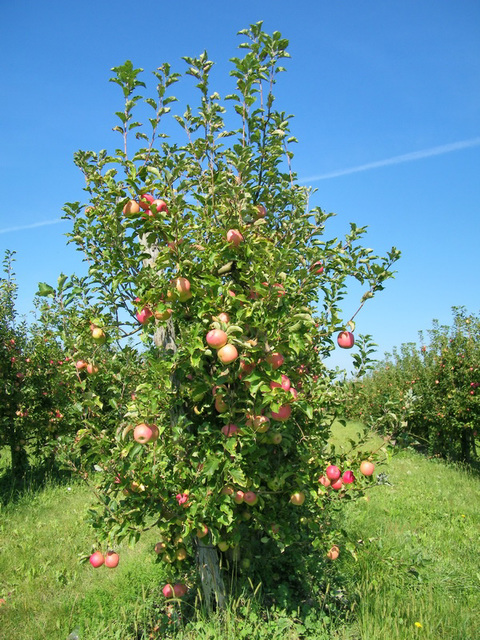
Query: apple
216	338
337	484
168	591
80	364
224	317
220	405
91	368
163	315
181	554
247	367
160	547
333	472
345	339
261	424
112	559
282	414
202	531
146	200
182	285
348	477
294	393
250	498
316	267
223	545
97	559
158	205
179	590
285	384
277	438
275	528
144	433
367	468
333	552
227	490
245	563
238	496
228	353
325	481
275	360
229	430
297	498
261	211
235	237
132	207
98	335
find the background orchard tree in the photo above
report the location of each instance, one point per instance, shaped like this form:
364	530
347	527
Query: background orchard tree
212	232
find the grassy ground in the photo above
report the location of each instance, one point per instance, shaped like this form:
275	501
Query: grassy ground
416	574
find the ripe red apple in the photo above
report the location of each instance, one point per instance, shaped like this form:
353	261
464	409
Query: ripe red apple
294	393
261	424
367	468
235	237
333	552
112	559
182	285
238	496
348	477
146	200
228	353
156	206
316	267
202	531
275	360
179	590
91	368
345	340
216	338
80	364
285	384
282	414
131	208
97	559
337	484
229	430
333	472
247	367
160	547
250	498
144	433
224	317
168	591
297	498
325	481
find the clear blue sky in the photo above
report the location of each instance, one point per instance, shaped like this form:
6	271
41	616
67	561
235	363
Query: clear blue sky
386	98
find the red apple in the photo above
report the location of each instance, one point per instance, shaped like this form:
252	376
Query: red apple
294	393
325	481
131	208
333	553
80	364
112	559
97	559
146	200
282	414
348	477
367	468
250	498
275	360
224	317
261	424
297	498
247	367
345	340
179	590
202	531
168	591
337	484
228	353
235	237
156	206
238	496
333	472
216	338
91	368
220	405
182	285
261	211
144	433
160	547
285	384
316	267
229	430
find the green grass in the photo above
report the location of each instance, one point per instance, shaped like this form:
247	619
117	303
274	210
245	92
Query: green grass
416	544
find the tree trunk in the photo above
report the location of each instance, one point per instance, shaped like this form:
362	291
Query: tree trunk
208	565
19	460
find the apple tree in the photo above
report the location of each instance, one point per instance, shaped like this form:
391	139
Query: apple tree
201	244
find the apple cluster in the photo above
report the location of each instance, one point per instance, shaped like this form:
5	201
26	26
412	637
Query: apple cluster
336	480
110	560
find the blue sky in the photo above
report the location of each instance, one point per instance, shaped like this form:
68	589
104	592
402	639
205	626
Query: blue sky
386	98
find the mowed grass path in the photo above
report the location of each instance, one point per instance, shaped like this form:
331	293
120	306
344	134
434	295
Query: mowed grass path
417	572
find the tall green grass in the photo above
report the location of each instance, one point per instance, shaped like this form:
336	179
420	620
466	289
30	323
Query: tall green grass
412	570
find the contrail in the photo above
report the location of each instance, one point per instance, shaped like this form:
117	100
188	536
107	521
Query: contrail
406	157
32	226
